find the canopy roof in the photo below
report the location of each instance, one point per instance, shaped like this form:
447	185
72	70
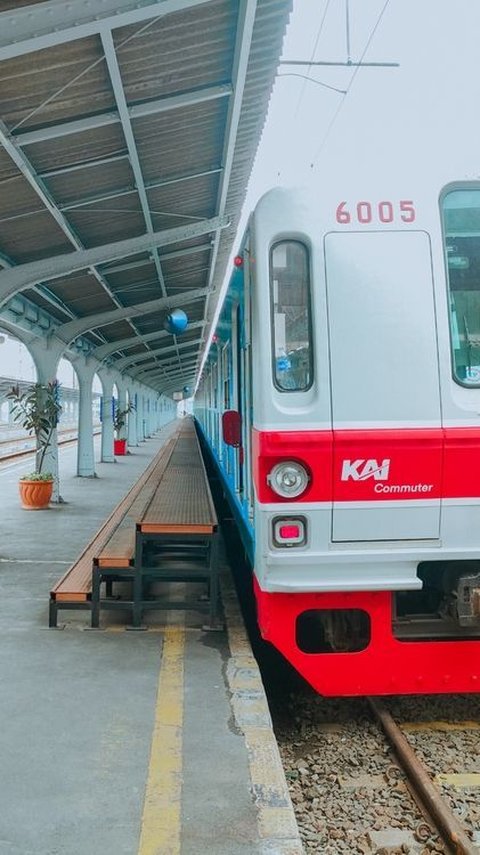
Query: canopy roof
127	136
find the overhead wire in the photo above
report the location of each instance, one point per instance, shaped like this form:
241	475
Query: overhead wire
349	86
317	39
312	80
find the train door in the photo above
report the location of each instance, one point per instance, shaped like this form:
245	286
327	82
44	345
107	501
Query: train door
237	402
388	442
225	404
245	373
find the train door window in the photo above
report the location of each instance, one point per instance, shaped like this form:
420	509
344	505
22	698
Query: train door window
214	386
210	406
237	388
214	405
291	316
226	379
461	222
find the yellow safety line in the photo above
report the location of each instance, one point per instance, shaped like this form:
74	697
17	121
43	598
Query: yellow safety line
460	780
160	832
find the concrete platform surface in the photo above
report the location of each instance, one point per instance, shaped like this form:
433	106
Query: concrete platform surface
120	743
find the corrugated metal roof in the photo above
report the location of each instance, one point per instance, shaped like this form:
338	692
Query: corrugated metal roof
103	141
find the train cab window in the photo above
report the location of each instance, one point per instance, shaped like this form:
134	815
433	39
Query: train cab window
461	222
291	316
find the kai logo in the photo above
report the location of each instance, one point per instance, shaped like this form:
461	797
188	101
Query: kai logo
360	470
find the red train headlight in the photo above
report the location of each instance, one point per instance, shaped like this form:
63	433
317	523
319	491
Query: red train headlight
288	479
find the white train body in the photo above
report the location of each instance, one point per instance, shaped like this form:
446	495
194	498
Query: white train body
359	358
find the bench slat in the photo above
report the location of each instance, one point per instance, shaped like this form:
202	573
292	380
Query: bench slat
119	550
182	500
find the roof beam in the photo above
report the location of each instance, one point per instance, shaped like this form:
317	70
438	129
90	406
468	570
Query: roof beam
167	256
154	354
159	372
128	191
153	373
136	111
54	22
44	292
245	25
121	101
105	350
169	362
26	275
73	329
84	164
23	164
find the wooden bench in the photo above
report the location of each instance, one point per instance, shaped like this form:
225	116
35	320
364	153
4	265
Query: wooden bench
168	535
74	589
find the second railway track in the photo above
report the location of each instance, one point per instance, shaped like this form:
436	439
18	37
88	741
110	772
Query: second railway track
18	447
349	783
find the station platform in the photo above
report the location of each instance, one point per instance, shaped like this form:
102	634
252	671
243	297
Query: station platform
125	743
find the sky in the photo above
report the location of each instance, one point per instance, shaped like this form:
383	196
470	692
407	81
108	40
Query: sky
408	120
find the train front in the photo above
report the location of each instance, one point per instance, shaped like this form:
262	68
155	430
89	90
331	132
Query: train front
366	438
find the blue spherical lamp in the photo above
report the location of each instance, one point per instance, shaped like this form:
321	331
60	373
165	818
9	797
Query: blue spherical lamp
176	322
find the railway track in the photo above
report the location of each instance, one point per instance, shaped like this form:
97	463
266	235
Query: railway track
370	777
17	447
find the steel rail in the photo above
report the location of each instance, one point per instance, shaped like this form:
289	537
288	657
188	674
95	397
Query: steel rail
24	452
424	790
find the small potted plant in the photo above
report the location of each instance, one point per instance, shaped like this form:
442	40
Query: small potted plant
119	421
37	410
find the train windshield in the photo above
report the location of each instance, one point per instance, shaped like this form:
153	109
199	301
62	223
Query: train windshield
461	220
291	318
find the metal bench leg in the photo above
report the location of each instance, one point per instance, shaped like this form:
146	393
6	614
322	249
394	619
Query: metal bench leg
137	592
108	587
52	614
96	582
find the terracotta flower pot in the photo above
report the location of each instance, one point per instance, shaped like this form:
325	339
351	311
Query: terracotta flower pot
35	495
119	446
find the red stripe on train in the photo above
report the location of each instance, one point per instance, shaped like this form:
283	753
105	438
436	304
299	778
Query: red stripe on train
373	465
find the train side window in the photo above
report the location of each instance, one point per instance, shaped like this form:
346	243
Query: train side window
461	223
291	316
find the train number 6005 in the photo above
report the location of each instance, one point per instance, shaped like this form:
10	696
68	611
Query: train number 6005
376	212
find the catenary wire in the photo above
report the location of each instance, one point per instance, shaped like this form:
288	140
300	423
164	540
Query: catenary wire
349	86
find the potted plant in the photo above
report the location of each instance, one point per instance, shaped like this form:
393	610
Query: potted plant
37	410
119	421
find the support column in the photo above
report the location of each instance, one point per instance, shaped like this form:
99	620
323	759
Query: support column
122	405
85	448
107	455
140	417
132	422
148	415
154	421
46	355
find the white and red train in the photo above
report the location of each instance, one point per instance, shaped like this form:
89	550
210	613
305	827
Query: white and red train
341	402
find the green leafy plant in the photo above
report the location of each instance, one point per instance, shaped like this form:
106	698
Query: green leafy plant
37	410
119	418
37	476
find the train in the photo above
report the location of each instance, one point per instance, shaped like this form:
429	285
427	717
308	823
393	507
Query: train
340	403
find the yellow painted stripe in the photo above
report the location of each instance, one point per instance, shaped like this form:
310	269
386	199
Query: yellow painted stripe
412	726
460	780
160	833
